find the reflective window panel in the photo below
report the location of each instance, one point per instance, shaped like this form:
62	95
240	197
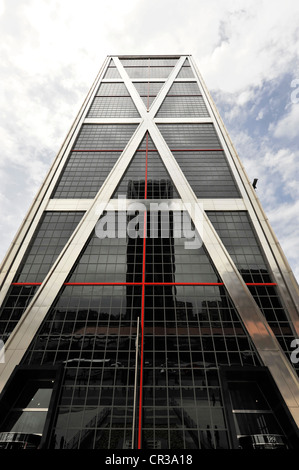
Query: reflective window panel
47	242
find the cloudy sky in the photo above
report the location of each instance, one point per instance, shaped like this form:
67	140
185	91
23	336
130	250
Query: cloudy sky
247	52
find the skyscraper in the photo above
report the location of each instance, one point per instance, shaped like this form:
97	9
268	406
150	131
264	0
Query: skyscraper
146	302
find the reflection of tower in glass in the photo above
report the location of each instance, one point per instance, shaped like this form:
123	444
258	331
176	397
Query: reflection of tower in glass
160	268
134	264
159	264
156	189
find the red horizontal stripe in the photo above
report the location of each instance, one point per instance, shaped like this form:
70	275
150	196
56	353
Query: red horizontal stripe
146	66
97	150
146	283
184	283
172	96
196	150
184	95
261	284
109	150
142	96
112	96
149	150
103	283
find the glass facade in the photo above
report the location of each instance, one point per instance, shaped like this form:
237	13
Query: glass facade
112	101
189	332
143	344
183	100
49	239
91	159
238	236
148	91
146	176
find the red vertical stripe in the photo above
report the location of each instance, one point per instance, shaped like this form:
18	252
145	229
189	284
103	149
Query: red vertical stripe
142	337
143	303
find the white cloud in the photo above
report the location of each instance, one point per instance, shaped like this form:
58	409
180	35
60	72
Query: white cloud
284	163
288	125
260	115
284	220
263	39
295	93
277	188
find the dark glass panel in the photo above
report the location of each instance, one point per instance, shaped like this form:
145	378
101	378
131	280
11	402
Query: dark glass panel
112	107
50	237
238	236
190	136
104	136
